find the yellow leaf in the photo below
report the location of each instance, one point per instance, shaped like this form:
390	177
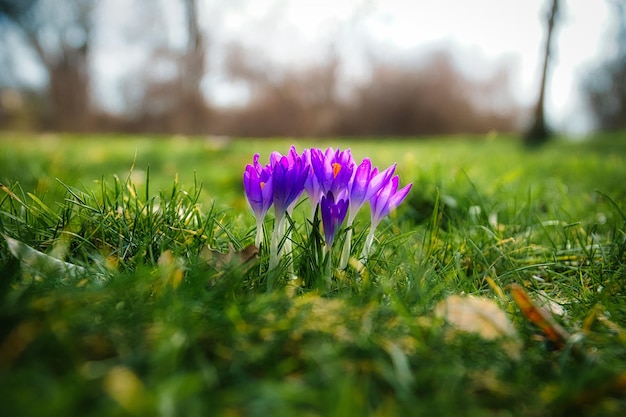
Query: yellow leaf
171	269
124	387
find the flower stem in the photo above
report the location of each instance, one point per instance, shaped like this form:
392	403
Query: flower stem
280	232
347	247
288	252
368	244
328	270
259	233
277	235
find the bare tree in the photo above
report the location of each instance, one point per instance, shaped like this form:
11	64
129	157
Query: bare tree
194	109
434	98
58	33
169	98
539	132
283	101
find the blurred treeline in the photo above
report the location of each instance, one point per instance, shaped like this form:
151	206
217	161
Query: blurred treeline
428	96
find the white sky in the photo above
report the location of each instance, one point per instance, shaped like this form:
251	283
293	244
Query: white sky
481	33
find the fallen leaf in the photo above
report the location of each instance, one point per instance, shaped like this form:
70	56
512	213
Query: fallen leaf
232	257
540	317
124	387
481	316
545	302
171	268
40	263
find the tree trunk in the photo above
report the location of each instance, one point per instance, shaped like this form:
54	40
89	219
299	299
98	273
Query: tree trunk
539	133
194	113
68	92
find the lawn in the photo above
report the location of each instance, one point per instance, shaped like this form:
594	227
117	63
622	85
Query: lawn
496	288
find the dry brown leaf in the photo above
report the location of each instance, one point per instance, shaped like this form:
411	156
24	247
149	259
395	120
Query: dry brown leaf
224	262
220	260
540	317
481	316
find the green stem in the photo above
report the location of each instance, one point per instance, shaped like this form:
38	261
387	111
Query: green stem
277	235
347	247
368	244
328	270
259	233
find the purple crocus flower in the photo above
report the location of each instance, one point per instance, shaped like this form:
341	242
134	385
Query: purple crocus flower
381	204
333	214
257	184
289	174
311	185
292	156
365	184
387	199
333	171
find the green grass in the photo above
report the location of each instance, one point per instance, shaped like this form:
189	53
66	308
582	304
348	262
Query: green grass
168	320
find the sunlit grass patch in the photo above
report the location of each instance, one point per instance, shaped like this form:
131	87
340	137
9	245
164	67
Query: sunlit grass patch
170	315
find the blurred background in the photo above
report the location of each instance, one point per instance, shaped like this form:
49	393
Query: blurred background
312	68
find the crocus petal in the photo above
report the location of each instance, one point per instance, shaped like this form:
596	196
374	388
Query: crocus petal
253	189
399	196
289	178
275	158
380	199
255	163
360	183
333	170
292	155
379	180
333	215
311	184
267	192
343	167
280	185
326	211
387	199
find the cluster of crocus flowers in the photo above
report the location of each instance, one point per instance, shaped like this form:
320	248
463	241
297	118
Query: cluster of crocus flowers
332	181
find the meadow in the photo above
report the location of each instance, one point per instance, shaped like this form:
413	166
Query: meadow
496	288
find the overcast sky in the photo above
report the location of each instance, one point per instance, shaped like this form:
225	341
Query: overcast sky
482	34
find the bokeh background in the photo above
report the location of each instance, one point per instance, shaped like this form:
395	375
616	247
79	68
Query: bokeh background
311	68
